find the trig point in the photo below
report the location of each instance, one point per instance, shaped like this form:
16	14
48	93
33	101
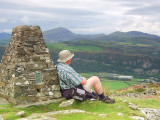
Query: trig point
27	72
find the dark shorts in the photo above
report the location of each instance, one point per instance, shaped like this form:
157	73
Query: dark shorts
66	93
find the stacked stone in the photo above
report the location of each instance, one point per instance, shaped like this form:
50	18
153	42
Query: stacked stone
27	72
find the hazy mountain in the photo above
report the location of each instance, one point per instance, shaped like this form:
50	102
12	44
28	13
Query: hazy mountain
132	34
62	34
5	36
58	35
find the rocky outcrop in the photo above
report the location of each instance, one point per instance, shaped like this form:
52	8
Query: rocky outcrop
67	103
151	114
27	72
49	115
143	90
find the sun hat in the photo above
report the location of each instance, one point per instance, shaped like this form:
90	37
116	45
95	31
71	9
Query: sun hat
64	56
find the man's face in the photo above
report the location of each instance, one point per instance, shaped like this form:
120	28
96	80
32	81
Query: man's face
69	61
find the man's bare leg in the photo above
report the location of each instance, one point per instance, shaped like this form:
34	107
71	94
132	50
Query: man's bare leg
95	82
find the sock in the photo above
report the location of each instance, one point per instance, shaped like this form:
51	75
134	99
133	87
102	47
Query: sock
94	93
102	96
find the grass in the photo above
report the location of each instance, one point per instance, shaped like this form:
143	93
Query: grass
112	84
94	107
116	85
111	110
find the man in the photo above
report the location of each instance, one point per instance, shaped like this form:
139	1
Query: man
69	78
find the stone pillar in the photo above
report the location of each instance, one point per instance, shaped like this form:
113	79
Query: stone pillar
27	72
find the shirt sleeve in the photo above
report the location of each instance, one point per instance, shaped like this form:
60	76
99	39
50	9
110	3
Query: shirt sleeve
75	78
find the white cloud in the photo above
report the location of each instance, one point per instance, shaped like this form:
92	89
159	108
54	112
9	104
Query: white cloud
83	16
3	20
25	19
6	30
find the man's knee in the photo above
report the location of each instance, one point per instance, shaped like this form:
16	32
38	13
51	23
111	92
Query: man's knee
96	78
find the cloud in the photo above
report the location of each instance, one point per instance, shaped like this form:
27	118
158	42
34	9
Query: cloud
25	19
82	16
149	10
3	20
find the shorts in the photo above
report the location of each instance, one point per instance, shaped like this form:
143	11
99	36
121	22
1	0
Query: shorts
87	87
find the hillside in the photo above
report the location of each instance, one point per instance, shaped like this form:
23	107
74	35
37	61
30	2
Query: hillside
137	102
62	34
134	53
136	60
5	36
58	35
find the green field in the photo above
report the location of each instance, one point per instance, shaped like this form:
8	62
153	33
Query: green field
112	84
84	48
116	85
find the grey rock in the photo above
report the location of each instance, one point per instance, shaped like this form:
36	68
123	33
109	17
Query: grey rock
133	106
1	118
151	114
55	87
23	75
100	115
21	114
3	101
120	114
41	103
67	103
44	117
137	118
49	115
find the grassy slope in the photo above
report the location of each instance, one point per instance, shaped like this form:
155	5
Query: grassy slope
86	48
129	46
9	111
111	110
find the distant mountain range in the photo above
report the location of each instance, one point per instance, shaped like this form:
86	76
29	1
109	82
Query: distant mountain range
132	53
5	36
62	34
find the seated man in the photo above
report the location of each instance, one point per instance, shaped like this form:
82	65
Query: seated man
69	78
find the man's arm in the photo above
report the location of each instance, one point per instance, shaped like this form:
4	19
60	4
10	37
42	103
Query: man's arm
83	81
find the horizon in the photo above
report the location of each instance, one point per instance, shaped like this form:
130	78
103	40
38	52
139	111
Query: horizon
88	33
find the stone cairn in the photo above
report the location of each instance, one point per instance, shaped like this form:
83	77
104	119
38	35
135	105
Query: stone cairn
27	73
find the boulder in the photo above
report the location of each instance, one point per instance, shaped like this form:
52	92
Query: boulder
21	114
3	101
137	118
67	103
151	114
133	106
1	118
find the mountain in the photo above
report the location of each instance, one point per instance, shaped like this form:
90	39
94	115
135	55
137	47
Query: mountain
132	34
5	36
58	35
62	34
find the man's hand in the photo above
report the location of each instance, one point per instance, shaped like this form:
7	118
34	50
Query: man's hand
83	82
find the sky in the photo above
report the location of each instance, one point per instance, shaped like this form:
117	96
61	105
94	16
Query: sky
82	16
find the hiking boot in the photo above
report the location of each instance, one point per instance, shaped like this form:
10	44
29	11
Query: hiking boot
107	100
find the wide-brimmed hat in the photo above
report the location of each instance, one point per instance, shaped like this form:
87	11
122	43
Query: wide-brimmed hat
64	56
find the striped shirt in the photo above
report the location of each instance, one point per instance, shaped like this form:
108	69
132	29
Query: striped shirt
68	77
